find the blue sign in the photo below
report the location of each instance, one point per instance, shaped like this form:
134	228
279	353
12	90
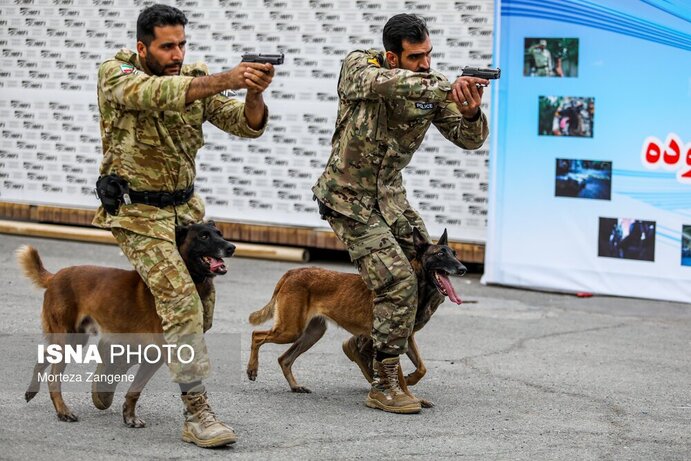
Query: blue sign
590	170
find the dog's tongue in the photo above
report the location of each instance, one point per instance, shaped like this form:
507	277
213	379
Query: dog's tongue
449	289
216	265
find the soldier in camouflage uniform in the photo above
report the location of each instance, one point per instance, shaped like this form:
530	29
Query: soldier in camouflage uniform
542	59
152	108
387	101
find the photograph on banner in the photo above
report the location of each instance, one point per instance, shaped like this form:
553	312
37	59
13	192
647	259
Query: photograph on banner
625	238
566	116
686	245
550	57
591	179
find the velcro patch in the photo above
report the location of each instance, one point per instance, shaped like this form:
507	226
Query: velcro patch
374	62
126	68
425	105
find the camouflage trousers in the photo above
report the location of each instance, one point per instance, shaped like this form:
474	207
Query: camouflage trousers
184	315
381	253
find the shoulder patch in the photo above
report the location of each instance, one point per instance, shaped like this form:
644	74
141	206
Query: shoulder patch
374	62
126	68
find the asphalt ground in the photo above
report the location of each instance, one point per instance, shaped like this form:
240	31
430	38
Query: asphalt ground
514	374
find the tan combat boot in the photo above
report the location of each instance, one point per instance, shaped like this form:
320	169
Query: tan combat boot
355	354
201	425
386	393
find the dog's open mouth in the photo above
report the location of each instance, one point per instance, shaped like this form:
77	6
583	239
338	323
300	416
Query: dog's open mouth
441	280
216	266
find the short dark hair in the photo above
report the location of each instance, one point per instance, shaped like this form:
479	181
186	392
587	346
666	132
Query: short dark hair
401	27
157	16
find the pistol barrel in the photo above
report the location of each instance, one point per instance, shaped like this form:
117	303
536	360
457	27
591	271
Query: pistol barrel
274	59
481	72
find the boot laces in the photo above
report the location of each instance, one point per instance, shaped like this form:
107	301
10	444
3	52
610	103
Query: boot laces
391	372
202	410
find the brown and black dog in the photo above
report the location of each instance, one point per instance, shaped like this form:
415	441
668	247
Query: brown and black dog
85	299
304	298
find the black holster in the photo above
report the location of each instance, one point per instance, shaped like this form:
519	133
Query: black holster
112	191
324	211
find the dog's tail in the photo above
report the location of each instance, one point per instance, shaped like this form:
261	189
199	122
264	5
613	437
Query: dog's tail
32	266
263	314
266	312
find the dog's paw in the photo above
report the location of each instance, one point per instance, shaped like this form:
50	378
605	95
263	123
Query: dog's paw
426	403
68	417
252	374
133	421
300	390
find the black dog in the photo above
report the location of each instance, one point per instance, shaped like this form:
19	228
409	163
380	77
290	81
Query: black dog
77	300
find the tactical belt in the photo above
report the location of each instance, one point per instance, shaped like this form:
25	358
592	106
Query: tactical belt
162	199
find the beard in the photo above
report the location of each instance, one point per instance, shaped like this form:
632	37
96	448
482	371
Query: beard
160	70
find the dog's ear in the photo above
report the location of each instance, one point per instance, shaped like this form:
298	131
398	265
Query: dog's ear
444	239
211	222
419	241
180	234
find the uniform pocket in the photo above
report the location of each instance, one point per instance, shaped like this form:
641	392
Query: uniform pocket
193	118
166	275
383	268
146	130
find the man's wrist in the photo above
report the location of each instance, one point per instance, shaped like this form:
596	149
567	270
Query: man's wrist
231	82
254	99
474	118
255	110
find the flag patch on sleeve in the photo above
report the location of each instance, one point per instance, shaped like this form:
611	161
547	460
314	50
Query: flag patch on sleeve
126	68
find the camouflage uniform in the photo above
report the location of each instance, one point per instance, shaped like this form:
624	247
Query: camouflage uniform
151	138
383	116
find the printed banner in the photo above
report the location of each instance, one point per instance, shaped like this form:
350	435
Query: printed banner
590	180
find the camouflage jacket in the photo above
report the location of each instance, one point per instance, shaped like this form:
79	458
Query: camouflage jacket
383	115
151	138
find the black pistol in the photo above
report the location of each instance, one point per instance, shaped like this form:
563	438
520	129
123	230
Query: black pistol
274	59
481	72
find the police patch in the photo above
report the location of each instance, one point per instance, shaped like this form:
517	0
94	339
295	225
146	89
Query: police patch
126	68
424	105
